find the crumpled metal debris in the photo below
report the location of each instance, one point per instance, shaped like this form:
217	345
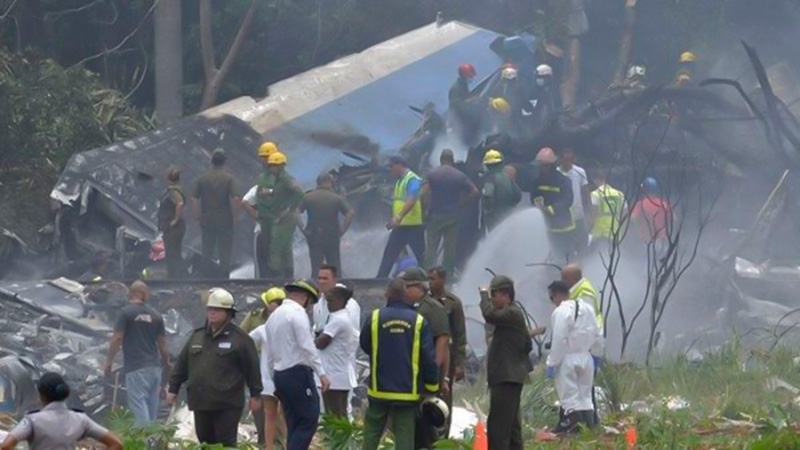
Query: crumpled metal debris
676	403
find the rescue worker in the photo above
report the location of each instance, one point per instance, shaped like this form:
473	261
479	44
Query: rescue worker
322	231
55	426
500	193
687	65
271	299
171	224
459	92
580	197
250	203
507	363
575	336
458	330
278	199
337	344
292	360
434	313
215	199
500	112
450	192
542	104
403	368
608	206
654	216
552	194
406	226
217	362
267	419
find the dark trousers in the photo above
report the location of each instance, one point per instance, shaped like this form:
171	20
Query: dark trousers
217	239
442	230
297	392
324	249
262	254
217	427
424	434
402	418
173	247
336	402
504	423
412	236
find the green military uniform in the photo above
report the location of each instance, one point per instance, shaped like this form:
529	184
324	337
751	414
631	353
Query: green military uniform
216	367
499	196
322	231
507	367
458	339
277	202
215	189
253	320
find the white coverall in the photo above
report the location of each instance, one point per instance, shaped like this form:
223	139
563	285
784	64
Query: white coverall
574	342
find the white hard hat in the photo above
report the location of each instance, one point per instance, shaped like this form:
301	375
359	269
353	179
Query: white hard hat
435	411
220	298
637	71
544	70
509	73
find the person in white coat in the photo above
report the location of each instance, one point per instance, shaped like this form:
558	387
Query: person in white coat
576	336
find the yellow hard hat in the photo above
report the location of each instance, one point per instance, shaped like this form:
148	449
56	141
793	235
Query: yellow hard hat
277	159
266	149
492	157
273	294
688	57
220	298
500	104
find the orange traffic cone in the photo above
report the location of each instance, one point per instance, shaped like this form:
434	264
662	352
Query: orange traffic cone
481	442
630	437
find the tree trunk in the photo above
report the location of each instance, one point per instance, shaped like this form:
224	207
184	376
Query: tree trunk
624	58
572	79
168	60
215	76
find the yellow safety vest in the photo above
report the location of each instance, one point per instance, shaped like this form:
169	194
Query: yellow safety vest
583	289
414	217
609	208
374	391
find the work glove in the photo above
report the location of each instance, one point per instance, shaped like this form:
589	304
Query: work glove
550	372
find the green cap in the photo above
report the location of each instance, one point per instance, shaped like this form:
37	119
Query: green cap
501	282
305	286
414	275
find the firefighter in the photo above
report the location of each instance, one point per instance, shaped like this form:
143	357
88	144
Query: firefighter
402	368
507	363
218	360
552	194
500	193
249	204
459	92
608	205
278	199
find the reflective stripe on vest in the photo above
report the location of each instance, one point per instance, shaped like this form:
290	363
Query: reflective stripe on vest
373	390
414	217
609	207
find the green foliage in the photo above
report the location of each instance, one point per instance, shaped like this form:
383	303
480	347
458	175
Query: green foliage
47	113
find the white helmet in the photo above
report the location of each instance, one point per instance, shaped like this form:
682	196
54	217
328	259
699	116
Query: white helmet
435	411
509	73
637	71
544	70
220	298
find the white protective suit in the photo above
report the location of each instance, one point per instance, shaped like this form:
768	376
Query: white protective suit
574	342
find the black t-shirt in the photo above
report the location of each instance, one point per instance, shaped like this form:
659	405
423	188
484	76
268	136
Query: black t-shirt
140	326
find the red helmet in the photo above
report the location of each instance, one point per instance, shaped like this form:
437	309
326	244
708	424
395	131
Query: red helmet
466	71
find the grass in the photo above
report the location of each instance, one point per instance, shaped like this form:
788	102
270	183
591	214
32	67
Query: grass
726	400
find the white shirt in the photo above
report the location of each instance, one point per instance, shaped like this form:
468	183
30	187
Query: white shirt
259	335
578	177
250	200
321	314
338	358
289	340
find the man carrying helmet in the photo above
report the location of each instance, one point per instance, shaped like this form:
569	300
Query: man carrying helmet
277	201
267	419
292	360
218	360
500	194
507	363
551	193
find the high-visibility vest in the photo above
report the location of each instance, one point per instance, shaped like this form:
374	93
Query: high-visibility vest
583	289
414	217
396	393
609	208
